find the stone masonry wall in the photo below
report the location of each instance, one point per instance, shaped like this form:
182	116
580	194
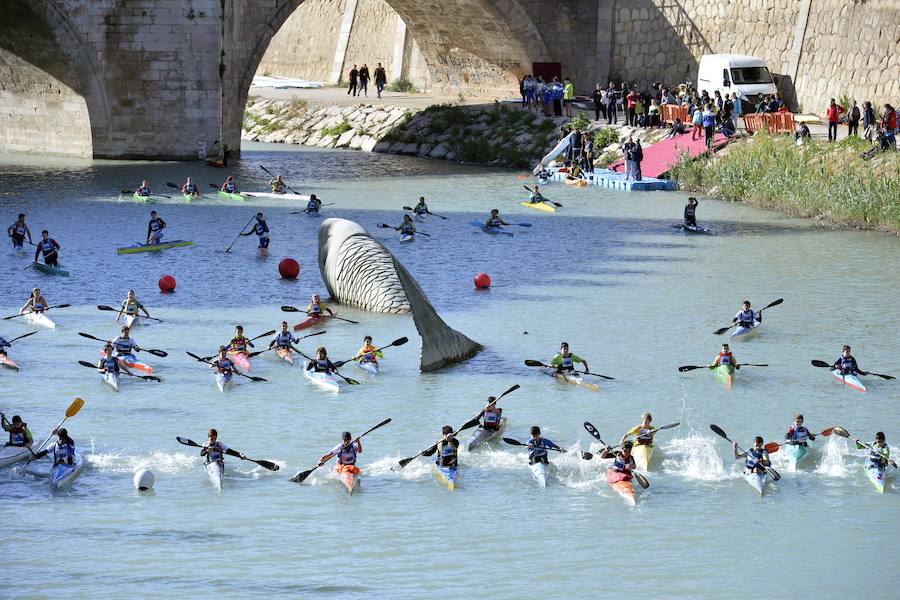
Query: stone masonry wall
304	46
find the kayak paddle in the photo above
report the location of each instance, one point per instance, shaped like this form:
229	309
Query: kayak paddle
178	187
386	226
287	187
692	367
265	464
153	351
31	311
774	446
235	371
294	309
147	196
642	481
306	211
228	249
513	442
258	352
822	363
537	363
721	433
85	363
556	204
397	342
349	380
73	409
250	341
110	308
770	305
302	475
24	335
838	430
427	213
467	425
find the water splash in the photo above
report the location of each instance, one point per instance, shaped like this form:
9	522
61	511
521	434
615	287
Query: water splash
695	457
832	461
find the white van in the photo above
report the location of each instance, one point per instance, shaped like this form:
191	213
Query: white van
729	73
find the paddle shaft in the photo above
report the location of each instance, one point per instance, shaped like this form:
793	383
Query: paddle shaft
110	308
153	351
232	452
233	370
300	477
228	249
269	173
73	409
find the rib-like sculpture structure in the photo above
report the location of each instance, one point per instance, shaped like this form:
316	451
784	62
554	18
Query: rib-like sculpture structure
359	271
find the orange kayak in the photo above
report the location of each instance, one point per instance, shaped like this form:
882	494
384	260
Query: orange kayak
286	354
310	321
130	361
621	484
348	475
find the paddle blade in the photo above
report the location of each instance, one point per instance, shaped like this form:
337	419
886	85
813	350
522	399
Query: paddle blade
772	447
773	303
301	477
89	336
689	368
586	456
513	442
722	330
104	307
289	309
187	442
257	378
719	431
265	464
399	342
509	391
266	334
405	461
430	451
592	430
160	353
642	481
819	363
828	431
534	363
470	423
150	378
838	430
73	409
773	473
308	335
85	363
194	356
351	381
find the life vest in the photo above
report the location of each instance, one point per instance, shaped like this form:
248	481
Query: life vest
875	455
746	318
17	438
321	365
238	344
420	209
347	455
312	205
620	465
644	436
447	452
494	222
123	345
278	187
800	434
143	191
63	452
111	364
224	365
215	453
18	229
38	306
537	449
229	187
847	364
690	211
284	338
260	228
47	246
726	359
492	419
406	228
189	188
368	354
754	458
566	363
314	310
156	224
130	307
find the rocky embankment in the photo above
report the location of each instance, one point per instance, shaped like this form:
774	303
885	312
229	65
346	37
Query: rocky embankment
500	135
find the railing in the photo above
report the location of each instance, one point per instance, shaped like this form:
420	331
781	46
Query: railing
772	122
670	112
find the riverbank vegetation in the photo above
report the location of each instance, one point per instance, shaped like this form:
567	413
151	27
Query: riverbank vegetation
830	182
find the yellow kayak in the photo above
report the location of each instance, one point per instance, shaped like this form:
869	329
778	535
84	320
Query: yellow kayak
539	206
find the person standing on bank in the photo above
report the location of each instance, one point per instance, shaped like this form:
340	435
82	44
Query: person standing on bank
853	117
364	80
638	158
354	75
380	79
628	150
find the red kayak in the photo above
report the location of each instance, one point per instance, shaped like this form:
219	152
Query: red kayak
310	321
621	483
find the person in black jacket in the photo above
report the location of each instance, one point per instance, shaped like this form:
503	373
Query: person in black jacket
354	74
380	79
597	97
364	80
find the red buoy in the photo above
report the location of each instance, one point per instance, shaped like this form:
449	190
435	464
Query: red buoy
482	281
167	284
289	268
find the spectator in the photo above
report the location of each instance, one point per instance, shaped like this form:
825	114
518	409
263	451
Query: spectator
354	75
597	97
727	127
587	155
696	121
380	79
868	120
630	113
639	111
628	152
801	134
719	105
709	125
364	80
611	101
889	126
653	112
528	85
575	143
735	108
546	97
833	115
853	117
556	89
677	128
568	96
638	158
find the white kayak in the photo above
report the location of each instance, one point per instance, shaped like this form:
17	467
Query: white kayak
132	320
324	380
40	319
13	454
301	197
407	237
111	379
742	333
540	472
850	380
484	436
62	476
757	480
368	366
216	472
222	381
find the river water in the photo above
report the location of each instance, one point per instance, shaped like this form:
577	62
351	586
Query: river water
608	273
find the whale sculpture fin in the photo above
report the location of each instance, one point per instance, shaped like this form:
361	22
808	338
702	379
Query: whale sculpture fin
441	344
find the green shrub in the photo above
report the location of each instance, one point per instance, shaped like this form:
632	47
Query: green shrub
402	84
605	136
579	122
337	130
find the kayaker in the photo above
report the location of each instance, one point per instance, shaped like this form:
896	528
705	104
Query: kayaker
543	175
490	416
213	450
50	249
690	213
574	172
536	196
756	457
846	364
239	342
261	229
537	447
111	364
879	453
19	434
494	220
643	432
284	338
314	204
143	189
131	306
565	360
223	365
346	453
17	232
278	186
229	186
406	227
421	208
36	303
623	462
3	345
747	317
190	188
447	454
124	344
797	434
368	352
154	229
321	363
725	357
63	449
316	307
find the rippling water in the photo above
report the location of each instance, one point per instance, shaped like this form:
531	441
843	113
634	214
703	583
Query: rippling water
608	273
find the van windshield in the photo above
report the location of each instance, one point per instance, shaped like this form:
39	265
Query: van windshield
751	75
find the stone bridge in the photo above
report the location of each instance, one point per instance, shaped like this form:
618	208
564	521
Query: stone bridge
161	78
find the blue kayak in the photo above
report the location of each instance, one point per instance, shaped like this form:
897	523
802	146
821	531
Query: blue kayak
490	230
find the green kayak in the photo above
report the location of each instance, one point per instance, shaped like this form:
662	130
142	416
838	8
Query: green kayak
233	196
50	270
725	374
153	247
189	197
138	198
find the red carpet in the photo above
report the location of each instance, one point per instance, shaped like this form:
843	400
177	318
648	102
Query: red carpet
659	157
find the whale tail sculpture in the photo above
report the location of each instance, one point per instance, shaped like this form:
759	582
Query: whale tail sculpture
359	271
